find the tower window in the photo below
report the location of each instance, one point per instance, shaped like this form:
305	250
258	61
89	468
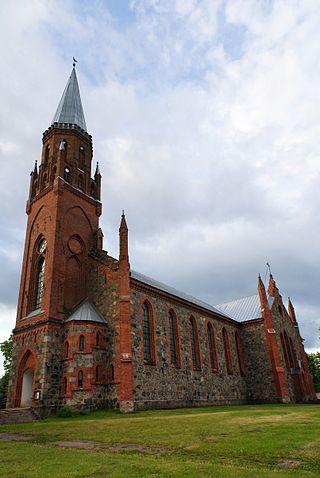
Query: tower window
195	351
46	153
39	283
80	379
66	174
81	343
80	182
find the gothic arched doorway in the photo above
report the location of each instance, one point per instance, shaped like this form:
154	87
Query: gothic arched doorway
25	380
27	388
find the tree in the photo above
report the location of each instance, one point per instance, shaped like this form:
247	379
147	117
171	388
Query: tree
6	349
314	367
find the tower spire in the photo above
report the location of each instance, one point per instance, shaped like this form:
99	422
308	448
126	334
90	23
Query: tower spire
70	109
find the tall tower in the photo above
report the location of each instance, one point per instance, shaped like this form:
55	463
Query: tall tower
63	227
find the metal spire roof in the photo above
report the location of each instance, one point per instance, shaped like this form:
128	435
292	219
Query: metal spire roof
70	107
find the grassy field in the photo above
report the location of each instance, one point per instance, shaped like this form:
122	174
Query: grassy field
222	442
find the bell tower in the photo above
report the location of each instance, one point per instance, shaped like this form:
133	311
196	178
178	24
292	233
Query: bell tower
63	211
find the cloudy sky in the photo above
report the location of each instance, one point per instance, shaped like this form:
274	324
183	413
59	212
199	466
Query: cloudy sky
205	116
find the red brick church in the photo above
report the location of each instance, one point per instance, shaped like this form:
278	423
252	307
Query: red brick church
91	332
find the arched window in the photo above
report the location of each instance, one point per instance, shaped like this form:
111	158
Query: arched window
65	386
226	348
289	352
293	354
80	379
46	153
112	372
81	343
80	182
147	333
97	374
195	351
67	174
174	339
239	352
66	349
212	347
98	338
82	157
39	282
285	352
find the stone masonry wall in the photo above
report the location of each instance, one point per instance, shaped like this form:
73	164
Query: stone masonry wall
164	385
259	379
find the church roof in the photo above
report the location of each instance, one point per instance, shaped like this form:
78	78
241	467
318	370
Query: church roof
172	291
247	308
70	109
86	312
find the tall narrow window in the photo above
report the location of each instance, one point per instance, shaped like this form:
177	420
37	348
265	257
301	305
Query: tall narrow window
226	347
284	351
81	343
97	374
212	347
39	283
66	349
80	379
239	353
65	383
194	344
147	331
67	174
174	340
289	352
97	338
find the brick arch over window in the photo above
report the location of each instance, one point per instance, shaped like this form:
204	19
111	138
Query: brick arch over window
226	349
212	348
149	354
194	344
240	354
174	342
36	286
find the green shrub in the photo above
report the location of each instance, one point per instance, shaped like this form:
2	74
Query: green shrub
65	412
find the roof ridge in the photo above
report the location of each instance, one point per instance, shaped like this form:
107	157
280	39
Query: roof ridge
173	291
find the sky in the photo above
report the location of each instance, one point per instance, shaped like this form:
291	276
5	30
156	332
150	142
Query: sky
205	122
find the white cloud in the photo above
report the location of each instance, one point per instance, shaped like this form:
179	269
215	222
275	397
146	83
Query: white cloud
214	157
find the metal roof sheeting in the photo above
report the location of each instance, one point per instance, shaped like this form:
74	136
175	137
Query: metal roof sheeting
247	308
86	312
172	291
70	109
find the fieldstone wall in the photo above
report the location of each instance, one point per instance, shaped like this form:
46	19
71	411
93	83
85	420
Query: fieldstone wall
259	379
164	385
43	346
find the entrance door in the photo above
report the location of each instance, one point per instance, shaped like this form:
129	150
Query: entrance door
27	388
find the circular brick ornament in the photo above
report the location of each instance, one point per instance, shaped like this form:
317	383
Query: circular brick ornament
75	245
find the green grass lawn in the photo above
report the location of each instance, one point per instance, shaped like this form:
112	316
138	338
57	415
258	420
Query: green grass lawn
220	442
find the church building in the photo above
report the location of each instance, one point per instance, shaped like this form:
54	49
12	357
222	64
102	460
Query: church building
93	333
